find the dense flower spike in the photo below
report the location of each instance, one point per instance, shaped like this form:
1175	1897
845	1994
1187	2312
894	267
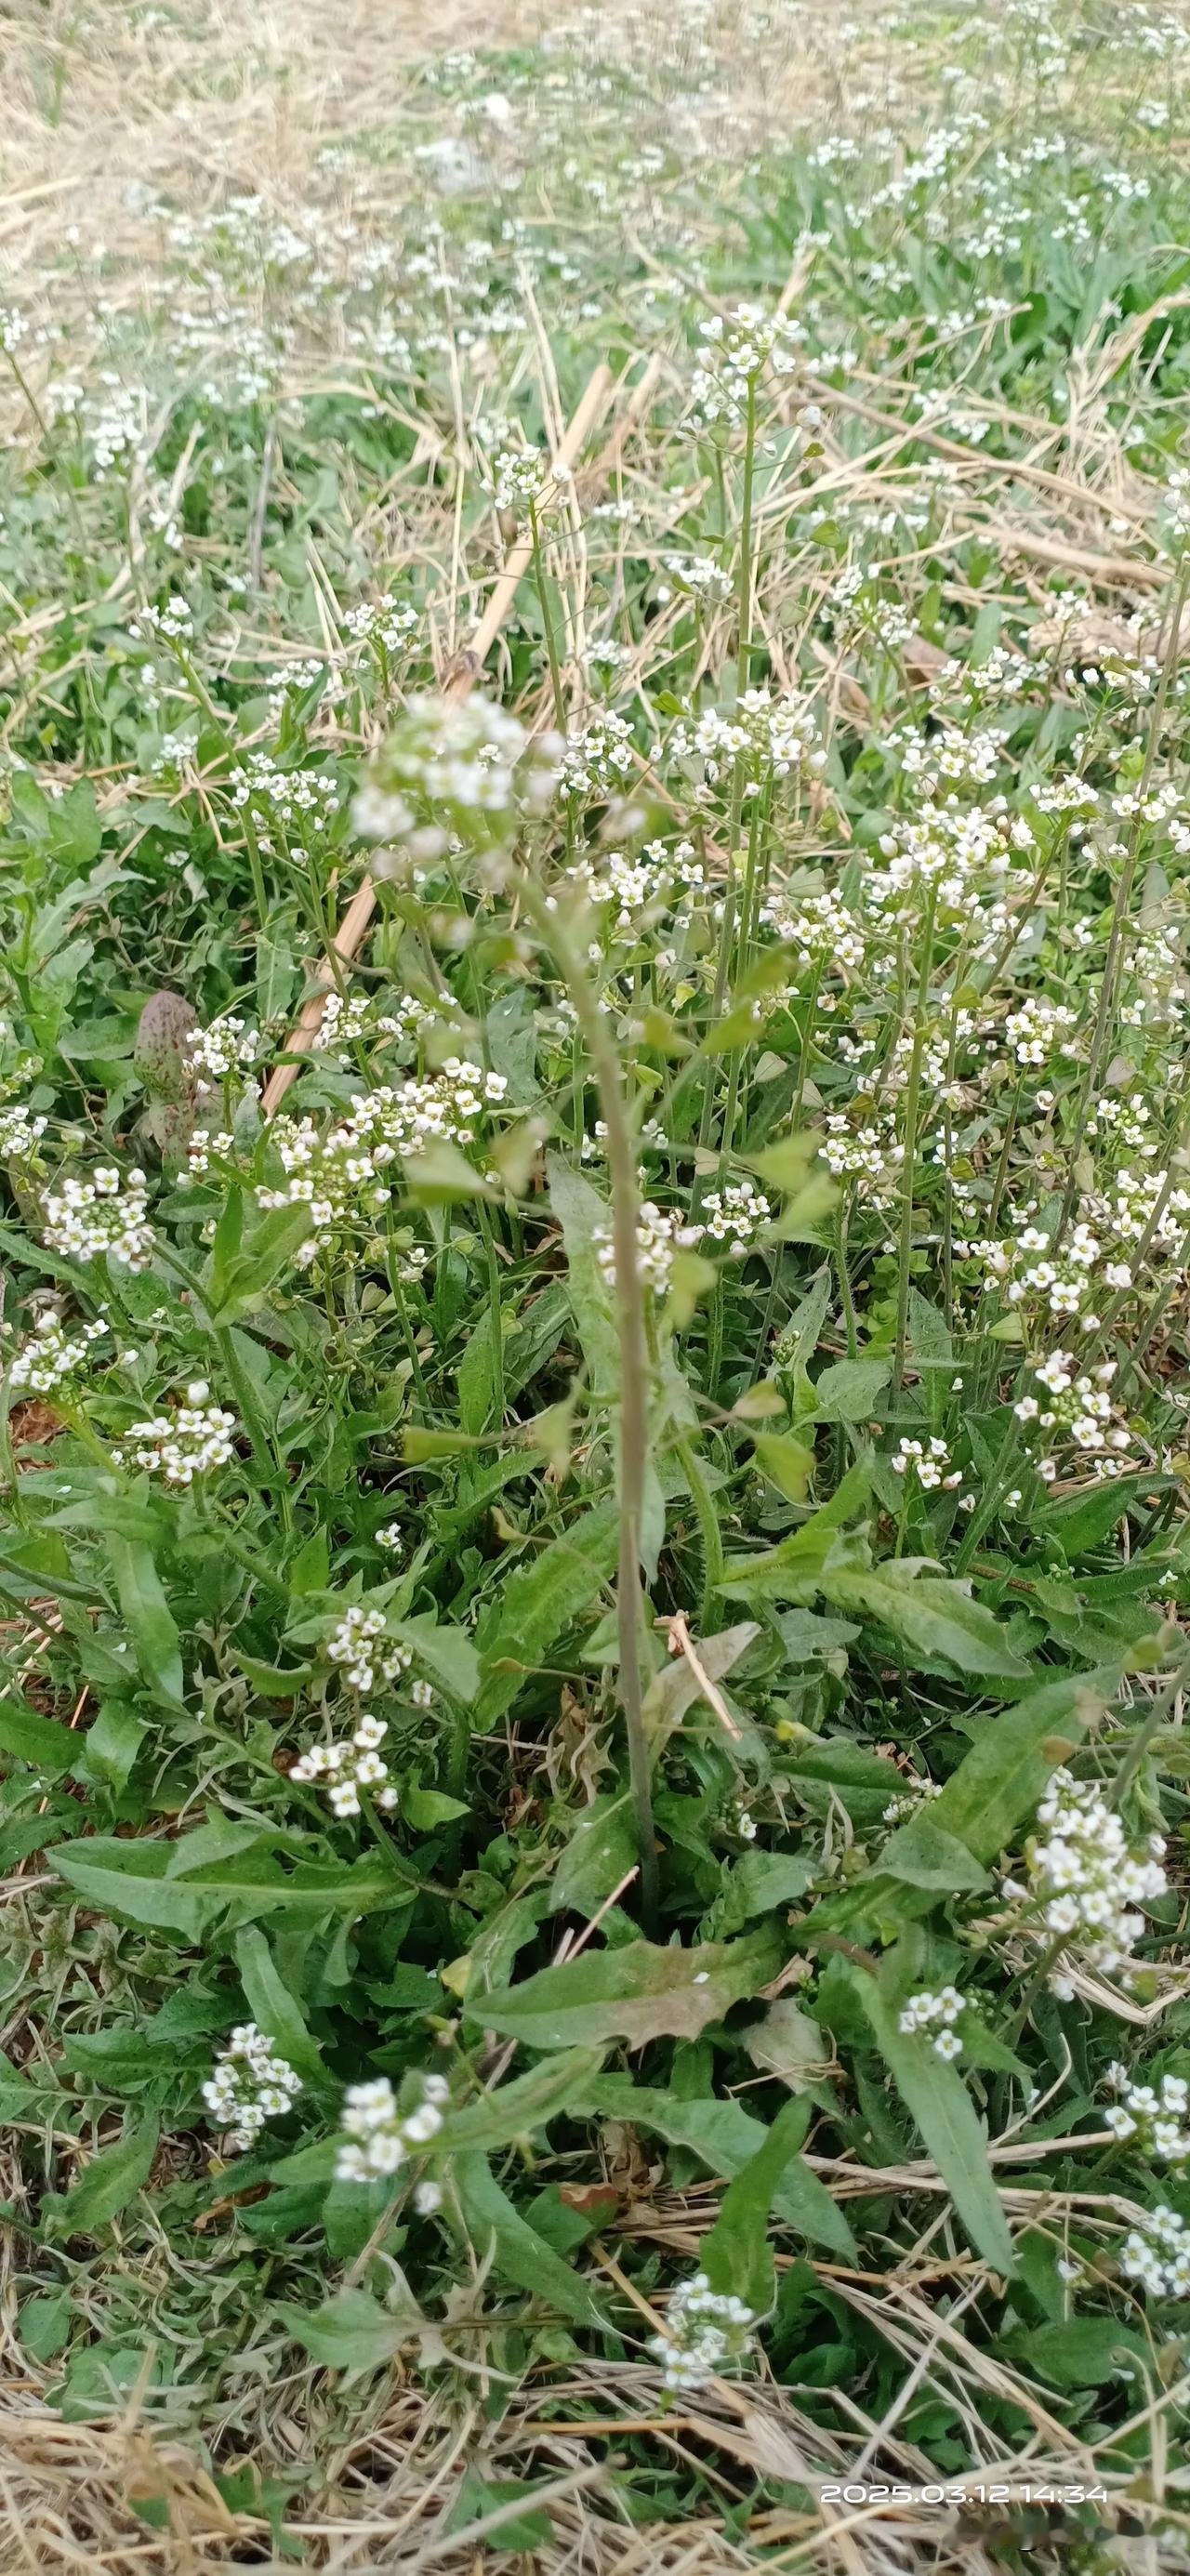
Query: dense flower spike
1087	1880
705	2332
250	2084
378	2138
105	1215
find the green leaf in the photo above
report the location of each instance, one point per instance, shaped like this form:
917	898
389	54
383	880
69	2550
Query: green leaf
635	1994
725	2137
737	2256
499	2234
445	1653
1082	2353
582	1214
927	1614
758	1883
937	2099
272	2006
351	2331
479	2499
107	2184
539	1601
35	1739
147	1616
426	1809
599	1852
790	1572
477	1373
140	1881
271	1248
786	1462
998	1783
556	2085
848	1390
923	1854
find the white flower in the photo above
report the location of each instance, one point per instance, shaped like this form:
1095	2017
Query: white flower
704	2330
249	2085
378	2137
104	1215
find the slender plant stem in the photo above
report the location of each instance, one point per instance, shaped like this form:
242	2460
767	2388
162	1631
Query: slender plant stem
547	622
912	1094
634	1374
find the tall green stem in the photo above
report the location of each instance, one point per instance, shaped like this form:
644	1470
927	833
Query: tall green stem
912	1095
634	1374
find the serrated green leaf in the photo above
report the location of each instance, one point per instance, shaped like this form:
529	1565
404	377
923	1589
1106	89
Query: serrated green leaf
930	1615
635	1994
107	2182
544	1596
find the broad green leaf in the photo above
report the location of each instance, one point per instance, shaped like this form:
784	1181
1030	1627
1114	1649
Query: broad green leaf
790	1572
931	1343
677	1686
635	1994
937	2100
759	1882
515	2110
477	1374
445	1653
133	1882
38	1740
786	1462
1084	2352
929	1615
351	2331
426	1809
147	1616
269	1251
725	2137
848	1390
737	2256
598	1853
499	2234
544	1596
273	2007
582	1214
998	1783
924	1854
107	2183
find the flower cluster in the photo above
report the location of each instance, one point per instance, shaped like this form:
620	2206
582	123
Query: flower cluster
53	1355
20	1133
735	1215
86	1219
1080	1410
175	621
356	1647
379	2137
602	761
766	735
192	1440
349	1767
226	1047
910	1798
339	1175
250	2085
704	2329
659	1235
1158	2256
470	767
926	1462
293	795
524	476
1087	1879
937	2012
1152	2114
732	357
